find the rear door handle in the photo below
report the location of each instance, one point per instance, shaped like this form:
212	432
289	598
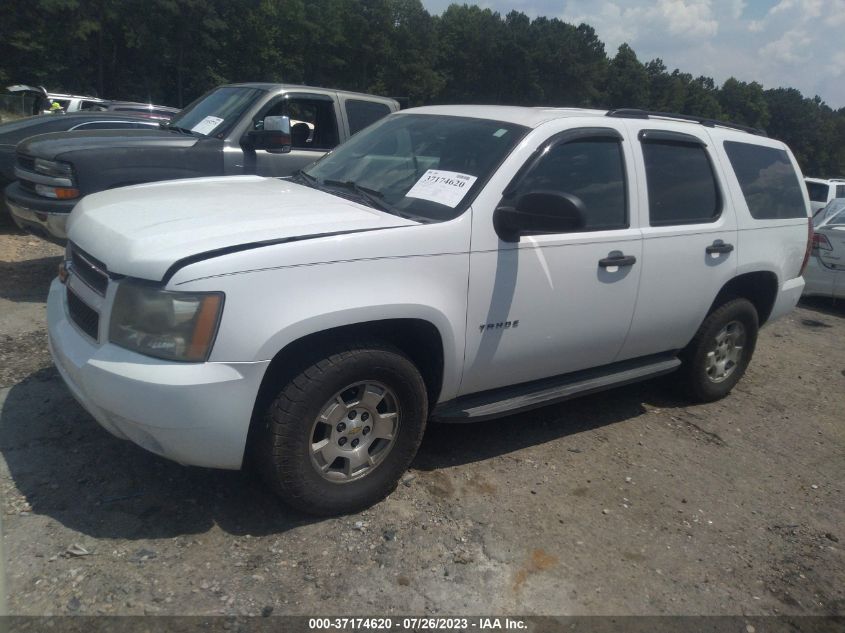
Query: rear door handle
719	247
618	260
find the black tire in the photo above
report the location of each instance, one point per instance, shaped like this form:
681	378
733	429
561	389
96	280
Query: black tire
282	444
696	381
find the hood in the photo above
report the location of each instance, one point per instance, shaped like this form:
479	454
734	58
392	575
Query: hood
55	144
141	231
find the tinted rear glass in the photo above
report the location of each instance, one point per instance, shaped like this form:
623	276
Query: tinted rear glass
363	113
768	181
817	191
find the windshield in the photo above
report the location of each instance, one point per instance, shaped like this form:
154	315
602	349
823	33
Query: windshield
428	167
837	220
833	213
216	111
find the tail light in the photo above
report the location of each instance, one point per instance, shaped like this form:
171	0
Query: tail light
820	242
810	243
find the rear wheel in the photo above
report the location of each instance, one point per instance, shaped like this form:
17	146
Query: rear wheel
719	354
341	433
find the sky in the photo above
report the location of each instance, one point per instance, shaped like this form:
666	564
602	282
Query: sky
791	43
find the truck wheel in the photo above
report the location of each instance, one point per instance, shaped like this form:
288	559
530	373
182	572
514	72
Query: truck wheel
718	355
341	433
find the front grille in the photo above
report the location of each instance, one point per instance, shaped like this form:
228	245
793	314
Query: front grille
89	270
26	162
85	317
28	185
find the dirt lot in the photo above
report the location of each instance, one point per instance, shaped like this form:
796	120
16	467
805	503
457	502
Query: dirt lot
627	502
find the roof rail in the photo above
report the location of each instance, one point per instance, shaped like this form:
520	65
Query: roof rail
634	113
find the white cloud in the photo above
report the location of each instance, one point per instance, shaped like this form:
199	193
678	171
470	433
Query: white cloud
811	8
794	43
793	47
738	9
837	65
689	18
678	18
797	43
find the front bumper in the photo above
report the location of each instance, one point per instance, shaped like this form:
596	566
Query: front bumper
192	413
43	216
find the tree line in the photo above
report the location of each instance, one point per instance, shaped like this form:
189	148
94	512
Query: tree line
171	51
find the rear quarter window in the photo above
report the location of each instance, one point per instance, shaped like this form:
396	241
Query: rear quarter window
768	181
361	114
817	191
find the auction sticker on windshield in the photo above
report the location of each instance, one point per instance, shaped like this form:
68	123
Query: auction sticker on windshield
207	124
444	187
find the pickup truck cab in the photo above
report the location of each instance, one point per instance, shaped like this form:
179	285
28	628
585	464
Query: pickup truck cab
219	134
455	263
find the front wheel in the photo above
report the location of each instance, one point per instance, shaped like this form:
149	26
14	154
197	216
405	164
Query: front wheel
719	354
342	432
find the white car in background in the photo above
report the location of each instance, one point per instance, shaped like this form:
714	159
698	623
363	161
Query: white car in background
68	103
825	274
823	191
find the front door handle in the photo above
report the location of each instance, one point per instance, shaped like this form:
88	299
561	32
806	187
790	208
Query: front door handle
719	247
618	260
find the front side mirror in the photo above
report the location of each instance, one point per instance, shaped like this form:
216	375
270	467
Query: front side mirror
273	137
539	212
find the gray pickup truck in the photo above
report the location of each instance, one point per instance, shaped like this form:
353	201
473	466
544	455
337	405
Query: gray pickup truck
222	133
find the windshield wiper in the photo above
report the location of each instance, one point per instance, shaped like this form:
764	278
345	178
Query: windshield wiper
176	128
308	179
373	198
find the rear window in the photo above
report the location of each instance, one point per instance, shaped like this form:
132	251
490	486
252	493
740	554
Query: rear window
94	106
817	191
360	114
840	191
768	181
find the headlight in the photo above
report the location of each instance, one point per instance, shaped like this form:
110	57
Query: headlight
165	324
55	168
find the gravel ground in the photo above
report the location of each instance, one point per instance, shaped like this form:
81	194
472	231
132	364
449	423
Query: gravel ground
626	502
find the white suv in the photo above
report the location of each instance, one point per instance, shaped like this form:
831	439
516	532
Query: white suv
822	191
451	263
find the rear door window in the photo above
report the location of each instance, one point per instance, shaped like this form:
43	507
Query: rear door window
768	181
360	113
840	191
681	184
92	106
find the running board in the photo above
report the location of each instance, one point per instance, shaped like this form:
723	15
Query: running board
496	403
